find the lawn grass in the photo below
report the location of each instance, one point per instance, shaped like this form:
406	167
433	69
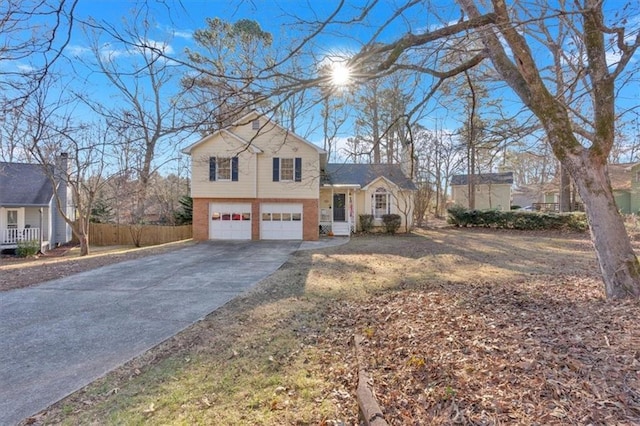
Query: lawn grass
282	355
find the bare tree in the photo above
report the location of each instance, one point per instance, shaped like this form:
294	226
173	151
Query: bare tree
147	115
27	51
79	151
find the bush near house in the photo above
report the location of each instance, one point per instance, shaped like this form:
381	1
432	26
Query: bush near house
391	222
366	222
523	220
27	248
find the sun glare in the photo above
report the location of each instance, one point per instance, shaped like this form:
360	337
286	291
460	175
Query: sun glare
340	74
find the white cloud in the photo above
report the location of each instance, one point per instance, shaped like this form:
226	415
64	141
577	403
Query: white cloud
187	35
613	58
109	53
162	46
75	50
25	68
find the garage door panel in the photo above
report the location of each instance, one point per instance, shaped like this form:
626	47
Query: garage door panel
281	221
230	221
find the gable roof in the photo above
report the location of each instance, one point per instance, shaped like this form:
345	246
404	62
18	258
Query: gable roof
253	115
364	174
504	178
24	185
620	176
223	133
246	119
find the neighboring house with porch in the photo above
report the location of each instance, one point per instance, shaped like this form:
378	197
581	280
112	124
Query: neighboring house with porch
28	210
255	180
625	182
492	190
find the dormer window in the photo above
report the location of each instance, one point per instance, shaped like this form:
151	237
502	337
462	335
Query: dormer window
255	124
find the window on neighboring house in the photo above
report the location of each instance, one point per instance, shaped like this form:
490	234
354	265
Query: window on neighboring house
381	203
287	169
12	219
223	169
255	124
638	176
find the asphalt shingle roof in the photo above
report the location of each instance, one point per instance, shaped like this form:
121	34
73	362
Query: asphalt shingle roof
505	178
364	174
24	185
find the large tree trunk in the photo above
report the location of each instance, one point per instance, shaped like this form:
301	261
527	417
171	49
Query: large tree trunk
81	230
84	244
616	258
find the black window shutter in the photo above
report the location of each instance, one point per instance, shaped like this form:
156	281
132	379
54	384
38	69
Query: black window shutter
298	169
234	169
212	168
276	169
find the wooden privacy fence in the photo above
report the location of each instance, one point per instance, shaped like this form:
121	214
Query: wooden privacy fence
107	234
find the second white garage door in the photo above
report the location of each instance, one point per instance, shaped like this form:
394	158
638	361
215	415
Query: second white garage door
281	221
230	221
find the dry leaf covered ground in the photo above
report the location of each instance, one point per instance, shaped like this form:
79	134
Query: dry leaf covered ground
461	327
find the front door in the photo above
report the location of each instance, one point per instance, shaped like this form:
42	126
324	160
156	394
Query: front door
339	207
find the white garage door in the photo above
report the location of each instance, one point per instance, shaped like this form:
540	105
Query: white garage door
281	221
230	221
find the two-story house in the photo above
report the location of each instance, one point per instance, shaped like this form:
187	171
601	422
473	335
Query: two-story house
255	180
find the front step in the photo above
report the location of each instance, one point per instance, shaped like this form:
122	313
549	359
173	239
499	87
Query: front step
341	228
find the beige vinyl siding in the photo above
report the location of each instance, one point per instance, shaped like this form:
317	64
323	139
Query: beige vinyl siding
223	146
273	141
246	131
273	146
400	201
495	196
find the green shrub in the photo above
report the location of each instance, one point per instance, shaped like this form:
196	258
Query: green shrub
366	222
458	216
391	222
522	220
27	248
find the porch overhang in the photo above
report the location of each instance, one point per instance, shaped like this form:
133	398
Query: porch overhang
342	186
15	206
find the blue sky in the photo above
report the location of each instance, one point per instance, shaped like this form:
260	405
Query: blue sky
173	21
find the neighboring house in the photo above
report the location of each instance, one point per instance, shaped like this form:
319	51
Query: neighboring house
526	195
625	182
492	190
28	210
255	180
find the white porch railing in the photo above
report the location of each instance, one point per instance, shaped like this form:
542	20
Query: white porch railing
11	236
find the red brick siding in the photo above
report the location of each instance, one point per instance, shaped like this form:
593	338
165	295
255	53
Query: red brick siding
310	219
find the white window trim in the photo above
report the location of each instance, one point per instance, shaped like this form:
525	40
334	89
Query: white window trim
293	169
380	192
218	160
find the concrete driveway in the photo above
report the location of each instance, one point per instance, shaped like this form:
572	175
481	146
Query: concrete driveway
58	337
